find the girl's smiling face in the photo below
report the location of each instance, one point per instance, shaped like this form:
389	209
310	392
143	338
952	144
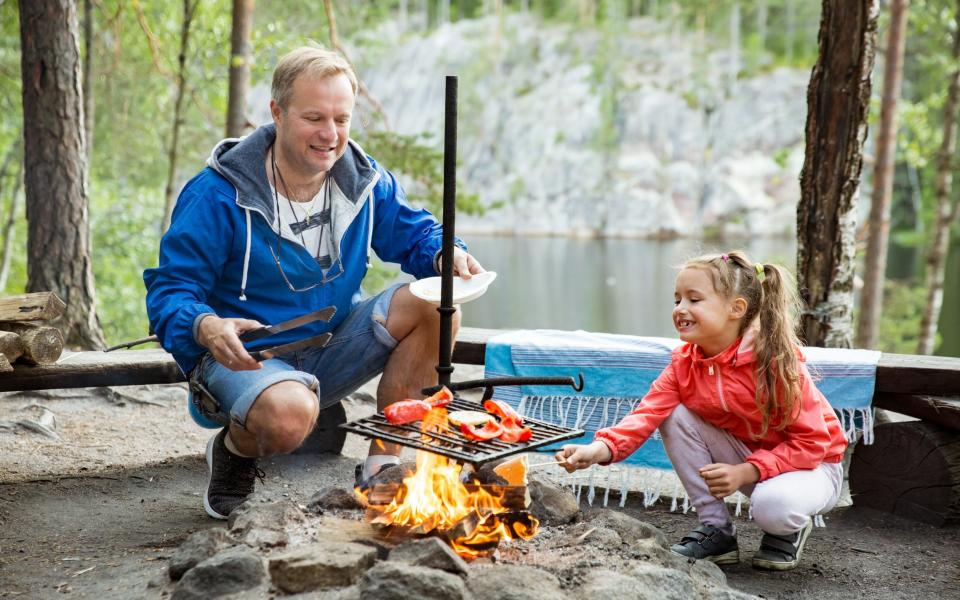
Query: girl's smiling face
702	316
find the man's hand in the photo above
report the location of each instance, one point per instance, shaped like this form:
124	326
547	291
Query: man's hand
221	338
576	456
724	479
464	265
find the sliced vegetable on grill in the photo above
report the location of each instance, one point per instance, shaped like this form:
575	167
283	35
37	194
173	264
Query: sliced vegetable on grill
406	411
489	431
441	398
512	432
503	410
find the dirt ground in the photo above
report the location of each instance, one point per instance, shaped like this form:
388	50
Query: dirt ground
96	513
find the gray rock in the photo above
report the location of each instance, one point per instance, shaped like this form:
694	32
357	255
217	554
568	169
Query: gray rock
513	582
231	571
334	498
706	573
631	530
321	566
347	593
610	584
264	524
588	533
667	584
429	552
725	593
197	548
397	581
551	504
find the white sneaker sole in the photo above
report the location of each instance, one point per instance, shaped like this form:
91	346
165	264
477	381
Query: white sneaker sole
771	565
206	495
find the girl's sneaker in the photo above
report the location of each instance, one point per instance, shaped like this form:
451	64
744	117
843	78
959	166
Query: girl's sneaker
781	552
708	542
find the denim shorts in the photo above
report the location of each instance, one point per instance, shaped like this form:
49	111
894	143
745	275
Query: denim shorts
358	350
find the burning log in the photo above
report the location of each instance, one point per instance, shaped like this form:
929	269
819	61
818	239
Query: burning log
512	497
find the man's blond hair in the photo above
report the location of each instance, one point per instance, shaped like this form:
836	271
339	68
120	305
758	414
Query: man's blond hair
315	61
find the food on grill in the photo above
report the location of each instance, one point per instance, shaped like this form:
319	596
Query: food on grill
470	417
491	429
513	432
441	398
503	410
406	411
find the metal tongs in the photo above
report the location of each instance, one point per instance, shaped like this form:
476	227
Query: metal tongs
324	314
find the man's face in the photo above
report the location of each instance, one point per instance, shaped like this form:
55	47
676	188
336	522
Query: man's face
312	131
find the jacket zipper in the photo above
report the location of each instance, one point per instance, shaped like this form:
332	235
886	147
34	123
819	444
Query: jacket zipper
723	403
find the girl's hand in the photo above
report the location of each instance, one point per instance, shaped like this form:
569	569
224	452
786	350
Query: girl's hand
575	456
724	479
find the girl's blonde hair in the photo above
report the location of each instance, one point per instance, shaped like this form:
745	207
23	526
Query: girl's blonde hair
772	301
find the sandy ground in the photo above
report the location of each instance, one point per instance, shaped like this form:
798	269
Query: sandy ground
97	512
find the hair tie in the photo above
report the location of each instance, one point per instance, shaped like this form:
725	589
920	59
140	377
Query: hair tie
760	274
725	258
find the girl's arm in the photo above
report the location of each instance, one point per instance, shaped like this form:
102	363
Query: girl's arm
807	438
633	430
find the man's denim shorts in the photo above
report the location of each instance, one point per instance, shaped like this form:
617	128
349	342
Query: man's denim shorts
358	350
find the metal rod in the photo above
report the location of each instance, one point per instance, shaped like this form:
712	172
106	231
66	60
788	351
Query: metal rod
446	309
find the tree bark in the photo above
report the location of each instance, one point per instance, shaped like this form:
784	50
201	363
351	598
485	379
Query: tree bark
188	9
838	100
88	95
871	299
239	67
58	233
946	209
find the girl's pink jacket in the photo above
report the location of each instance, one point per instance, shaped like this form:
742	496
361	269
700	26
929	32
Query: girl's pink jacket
720	389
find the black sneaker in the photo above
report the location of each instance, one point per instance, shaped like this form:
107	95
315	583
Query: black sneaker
708	542
232	478
781	552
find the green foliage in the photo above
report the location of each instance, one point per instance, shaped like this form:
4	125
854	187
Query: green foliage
900	322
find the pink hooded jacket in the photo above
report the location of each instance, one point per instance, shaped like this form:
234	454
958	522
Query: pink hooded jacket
721	389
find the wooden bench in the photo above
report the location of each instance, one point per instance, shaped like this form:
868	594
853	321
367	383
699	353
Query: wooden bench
912	469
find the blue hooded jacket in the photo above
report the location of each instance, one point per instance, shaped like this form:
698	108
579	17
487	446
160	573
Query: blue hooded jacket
217	257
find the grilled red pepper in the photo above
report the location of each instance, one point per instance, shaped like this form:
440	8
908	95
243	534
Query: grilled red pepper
490	430
513	432
406	411
503	410
441	398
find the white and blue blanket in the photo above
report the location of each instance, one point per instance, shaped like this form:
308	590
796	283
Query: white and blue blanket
618	371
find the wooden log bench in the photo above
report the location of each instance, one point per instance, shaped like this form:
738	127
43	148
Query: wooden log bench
912	469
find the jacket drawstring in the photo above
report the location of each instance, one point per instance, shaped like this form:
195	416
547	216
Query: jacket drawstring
246	260
370	232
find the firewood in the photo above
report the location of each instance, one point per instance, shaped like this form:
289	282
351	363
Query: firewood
11	346
514	497
5	366
42	344
39	306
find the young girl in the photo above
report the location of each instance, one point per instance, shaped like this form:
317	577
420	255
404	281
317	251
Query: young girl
737	410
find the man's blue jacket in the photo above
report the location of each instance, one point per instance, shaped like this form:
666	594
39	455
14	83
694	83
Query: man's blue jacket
218	254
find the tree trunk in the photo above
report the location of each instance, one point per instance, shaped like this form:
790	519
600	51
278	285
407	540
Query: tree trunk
762	15
88	95
792	29
402	15
169	193
331	25
937	253
58	234
838	101
734	65
871	299
239	67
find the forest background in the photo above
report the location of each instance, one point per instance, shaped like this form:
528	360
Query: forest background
138	89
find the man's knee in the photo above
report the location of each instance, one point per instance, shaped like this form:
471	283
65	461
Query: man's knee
282	416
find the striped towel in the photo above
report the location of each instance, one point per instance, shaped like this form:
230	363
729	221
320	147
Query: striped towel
618	371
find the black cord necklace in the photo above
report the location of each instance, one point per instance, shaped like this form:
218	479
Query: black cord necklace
278	178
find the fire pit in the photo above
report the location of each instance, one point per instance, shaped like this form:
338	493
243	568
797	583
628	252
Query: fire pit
441	497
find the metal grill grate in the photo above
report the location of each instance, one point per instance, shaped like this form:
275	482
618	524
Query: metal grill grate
452	444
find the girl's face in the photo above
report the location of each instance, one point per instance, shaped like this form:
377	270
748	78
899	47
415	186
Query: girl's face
702	316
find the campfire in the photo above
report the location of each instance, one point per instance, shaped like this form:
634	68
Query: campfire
443	498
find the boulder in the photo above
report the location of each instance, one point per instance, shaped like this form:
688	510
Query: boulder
334	498
551	504
320	566
666	584
631	530
231	571
429	552
264	524
397	581
197	548
514	582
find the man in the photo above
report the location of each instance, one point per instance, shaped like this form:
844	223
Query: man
281	223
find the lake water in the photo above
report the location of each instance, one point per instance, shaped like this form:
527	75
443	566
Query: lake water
626	286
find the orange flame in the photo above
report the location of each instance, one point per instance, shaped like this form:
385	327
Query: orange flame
434	499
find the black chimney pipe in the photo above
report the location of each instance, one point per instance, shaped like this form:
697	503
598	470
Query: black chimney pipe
446	309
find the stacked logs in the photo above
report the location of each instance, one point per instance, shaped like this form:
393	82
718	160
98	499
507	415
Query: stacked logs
23	337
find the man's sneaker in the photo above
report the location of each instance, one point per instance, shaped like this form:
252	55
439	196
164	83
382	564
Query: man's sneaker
231	480
708	542
781	552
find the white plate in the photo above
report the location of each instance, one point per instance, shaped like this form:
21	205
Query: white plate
463	290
